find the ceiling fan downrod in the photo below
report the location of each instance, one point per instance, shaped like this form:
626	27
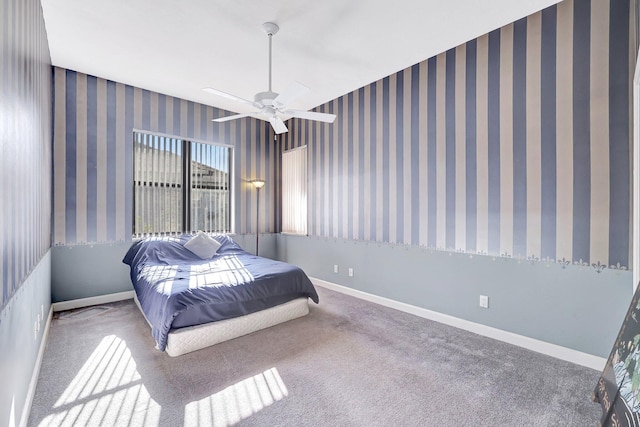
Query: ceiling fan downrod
271	29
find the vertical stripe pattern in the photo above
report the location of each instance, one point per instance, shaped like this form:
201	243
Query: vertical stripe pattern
93	128
25	142
514	144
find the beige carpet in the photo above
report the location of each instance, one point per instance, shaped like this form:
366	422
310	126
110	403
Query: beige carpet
349	363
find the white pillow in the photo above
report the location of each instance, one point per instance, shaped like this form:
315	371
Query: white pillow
203	245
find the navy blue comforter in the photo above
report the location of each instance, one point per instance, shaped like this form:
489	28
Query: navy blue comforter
176	288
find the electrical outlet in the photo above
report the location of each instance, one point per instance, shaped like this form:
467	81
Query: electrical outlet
335	268
484	301
350	272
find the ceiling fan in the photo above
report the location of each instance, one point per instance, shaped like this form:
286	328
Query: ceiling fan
270	104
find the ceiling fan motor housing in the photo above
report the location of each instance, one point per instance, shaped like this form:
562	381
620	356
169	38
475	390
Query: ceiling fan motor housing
265	98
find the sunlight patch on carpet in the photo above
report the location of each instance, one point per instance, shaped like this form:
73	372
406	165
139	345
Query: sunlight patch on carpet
236	402
107	390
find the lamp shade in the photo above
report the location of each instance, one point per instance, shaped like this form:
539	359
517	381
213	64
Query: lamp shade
258	183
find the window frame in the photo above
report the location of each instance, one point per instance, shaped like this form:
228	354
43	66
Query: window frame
306	190
187	183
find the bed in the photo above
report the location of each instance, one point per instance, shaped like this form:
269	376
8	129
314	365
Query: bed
197	291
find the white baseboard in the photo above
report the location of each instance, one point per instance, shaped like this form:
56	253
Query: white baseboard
559	352
26	409
86	302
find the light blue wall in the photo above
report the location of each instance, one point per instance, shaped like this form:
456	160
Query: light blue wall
570	306
25	197
83	271
19	340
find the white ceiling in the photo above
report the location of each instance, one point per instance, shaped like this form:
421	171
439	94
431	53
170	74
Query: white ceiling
332	46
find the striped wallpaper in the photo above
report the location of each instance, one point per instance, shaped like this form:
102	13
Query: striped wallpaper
517	144
94	121
25	139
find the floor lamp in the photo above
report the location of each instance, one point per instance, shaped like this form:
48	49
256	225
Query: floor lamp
258	183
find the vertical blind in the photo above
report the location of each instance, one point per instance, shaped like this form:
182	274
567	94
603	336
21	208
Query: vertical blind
180	186
210	207
294	191
158	183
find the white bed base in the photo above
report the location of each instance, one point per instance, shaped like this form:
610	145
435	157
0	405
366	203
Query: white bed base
192	338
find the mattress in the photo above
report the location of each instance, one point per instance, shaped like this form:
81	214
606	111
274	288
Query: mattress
176	288
185	340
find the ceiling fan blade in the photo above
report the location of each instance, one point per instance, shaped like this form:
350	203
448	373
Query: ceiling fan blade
278	125
233	117
292	92
311	115
231	97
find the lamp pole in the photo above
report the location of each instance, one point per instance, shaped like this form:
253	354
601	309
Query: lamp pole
258	183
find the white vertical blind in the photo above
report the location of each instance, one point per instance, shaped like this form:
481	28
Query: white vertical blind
294	191
210	183
157	180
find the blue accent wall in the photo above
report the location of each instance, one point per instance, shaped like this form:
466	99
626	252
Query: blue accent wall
94	121
491	116
25	198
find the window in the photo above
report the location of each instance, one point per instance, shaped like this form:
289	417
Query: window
180	186
294	191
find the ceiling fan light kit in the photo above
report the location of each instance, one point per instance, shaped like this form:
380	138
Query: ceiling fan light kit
270	104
